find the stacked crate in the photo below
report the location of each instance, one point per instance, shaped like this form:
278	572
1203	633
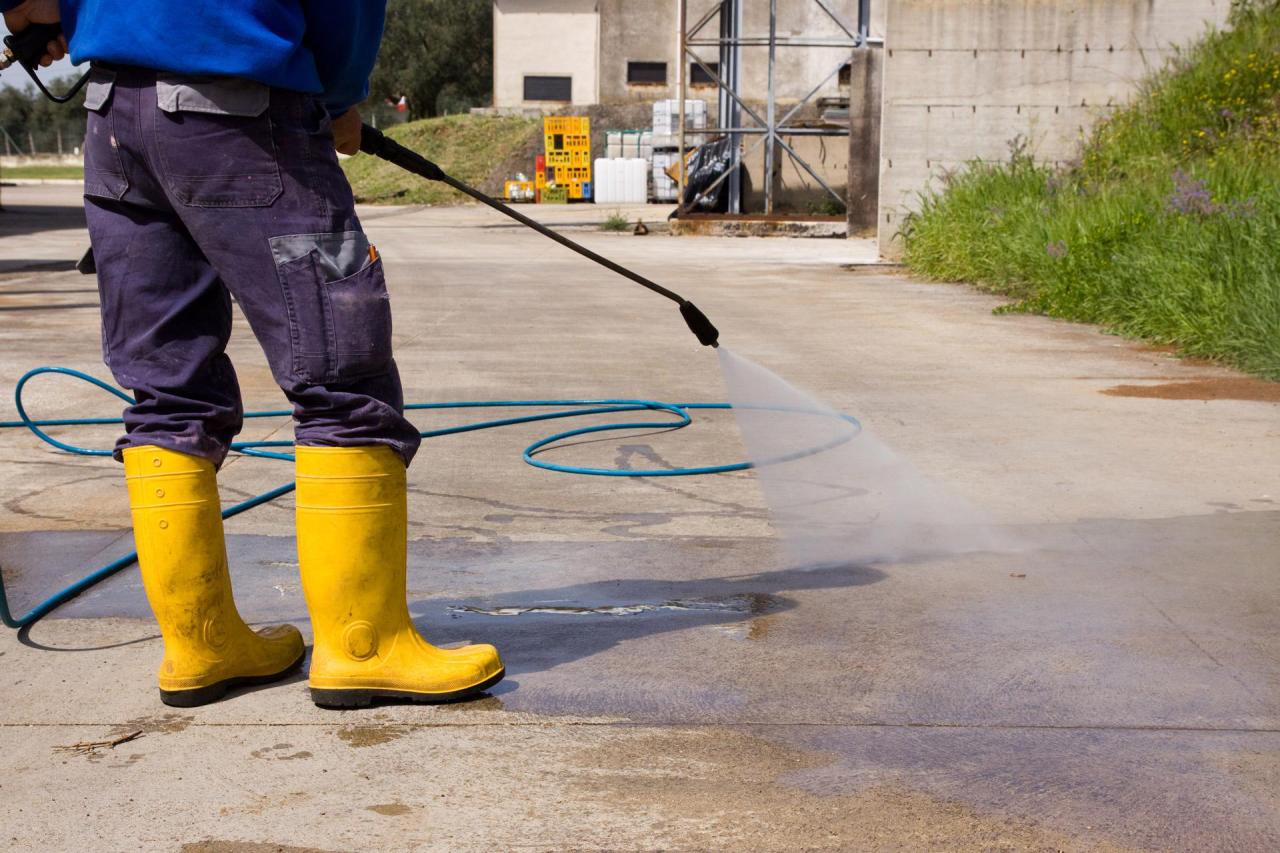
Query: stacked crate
666	141
567	162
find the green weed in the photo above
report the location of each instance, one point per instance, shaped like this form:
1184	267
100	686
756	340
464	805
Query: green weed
615	222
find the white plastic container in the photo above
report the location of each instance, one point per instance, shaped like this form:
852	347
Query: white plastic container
664	189
621	181
666	122
630	144
613	143
637	180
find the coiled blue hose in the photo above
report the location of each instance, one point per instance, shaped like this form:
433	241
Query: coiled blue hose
565	409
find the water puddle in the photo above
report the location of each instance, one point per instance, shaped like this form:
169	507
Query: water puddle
753	603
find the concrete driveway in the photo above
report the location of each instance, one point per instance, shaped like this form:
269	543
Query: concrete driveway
675	681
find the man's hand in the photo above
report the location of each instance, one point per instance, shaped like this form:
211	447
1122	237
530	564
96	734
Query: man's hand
18	18
346	132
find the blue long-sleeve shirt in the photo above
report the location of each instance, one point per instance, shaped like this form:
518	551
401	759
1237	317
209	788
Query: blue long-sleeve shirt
324	47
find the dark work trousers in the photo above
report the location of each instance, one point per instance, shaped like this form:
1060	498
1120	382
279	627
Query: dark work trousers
198	190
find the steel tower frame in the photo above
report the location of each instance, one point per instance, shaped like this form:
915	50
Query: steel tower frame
769	128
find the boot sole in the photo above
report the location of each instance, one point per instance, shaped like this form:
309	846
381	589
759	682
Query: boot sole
362	698
198	696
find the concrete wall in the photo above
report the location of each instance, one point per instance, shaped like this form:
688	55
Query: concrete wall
636	31
544	37
964	77
866	86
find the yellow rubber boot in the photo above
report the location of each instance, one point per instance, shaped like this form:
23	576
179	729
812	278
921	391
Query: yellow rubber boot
352	529
177	526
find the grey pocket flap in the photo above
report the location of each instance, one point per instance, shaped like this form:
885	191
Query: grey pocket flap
337	255
228	96
98	90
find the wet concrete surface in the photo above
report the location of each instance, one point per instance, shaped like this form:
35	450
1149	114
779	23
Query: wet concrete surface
673	681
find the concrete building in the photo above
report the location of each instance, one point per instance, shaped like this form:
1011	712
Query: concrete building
614	51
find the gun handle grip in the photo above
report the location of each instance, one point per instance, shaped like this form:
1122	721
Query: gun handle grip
29	45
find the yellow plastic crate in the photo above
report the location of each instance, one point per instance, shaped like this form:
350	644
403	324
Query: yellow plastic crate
580	125
555	195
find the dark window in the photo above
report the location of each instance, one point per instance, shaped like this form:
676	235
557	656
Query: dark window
846	75
699	77
548	88
647	73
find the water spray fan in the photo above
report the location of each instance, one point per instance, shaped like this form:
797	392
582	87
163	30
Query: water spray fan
377	143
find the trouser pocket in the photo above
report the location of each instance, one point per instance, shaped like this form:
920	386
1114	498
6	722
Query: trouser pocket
103	171
340	327
215	139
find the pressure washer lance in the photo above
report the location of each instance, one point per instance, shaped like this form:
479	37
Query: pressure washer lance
375	142
26	47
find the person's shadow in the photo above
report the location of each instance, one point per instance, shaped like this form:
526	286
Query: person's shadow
540	629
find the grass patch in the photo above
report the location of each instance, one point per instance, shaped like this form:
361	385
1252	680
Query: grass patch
468	147
42	173
615	222
1168	226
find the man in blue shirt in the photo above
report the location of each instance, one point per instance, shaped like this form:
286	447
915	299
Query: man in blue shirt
210	172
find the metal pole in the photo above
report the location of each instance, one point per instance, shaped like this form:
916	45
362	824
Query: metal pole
730	115
771	128
682	12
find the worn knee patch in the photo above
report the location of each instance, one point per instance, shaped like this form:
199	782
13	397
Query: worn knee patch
339	310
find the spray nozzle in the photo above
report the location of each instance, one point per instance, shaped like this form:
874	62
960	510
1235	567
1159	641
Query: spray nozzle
706	333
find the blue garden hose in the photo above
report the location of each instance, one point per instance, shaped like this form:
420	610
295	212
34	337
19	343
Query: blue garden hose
565	409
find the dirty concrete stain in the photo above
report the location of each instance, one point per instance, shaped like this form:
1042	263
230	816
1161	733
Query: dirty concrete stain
726	789
1226	388
361	736
759	627
390	809
485	703
115	762
263	803
165	724
279	752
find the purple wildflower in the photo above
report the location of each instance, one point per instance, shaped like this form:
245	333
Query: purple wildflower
1056	249
1191	197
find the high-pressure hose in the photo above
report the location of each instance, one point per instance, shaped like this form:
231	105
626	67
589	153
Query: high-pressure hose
377	143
